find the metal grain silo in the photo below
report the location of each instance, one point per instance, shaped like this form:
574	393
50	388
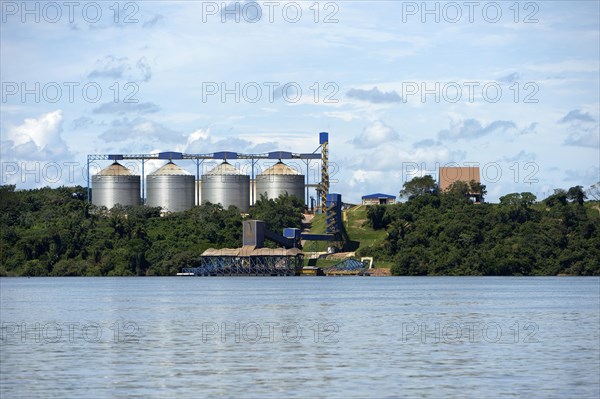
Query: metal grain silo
171	188
227	186
115	185
280	179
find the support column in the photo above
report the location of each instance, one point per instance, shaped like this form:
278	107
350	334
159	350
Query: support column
252	183
143	181
307	183
88	179
324	141
197	182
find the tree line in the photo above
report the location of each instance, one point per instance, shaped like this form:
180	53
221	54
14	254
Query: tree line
54	232
445	233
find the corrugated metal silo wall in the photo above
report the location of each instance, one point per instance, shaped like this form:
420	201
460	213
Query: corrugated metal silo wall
111	190
226	190
274	185
173	193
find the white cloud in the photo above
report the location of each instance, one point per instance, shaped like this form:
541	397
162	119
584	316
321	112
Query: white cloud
201	141
141	130
374	95
583	129
199	134
37	138
375	134
111	67
584	138
473	129
359	176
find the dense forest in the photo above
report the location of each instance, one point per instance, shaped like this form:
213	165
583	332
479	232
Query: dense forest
54	232
435	233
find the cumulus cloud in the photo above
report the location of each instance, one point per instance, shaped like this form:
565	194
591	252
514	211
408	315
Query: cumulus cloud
201	141
576	115
374	135
584	138
374	95
397	157
37	138
197	135
111	67
360	176
583	129
139	129
82	122
530	129
121	108
473	129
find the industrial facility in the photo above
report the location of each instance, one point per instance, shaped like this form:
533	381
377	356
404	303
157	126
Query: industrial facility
228	183
254	259
173	189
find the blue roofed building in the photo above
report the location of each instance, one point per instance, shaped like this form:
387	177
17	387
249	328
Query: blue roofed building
378	199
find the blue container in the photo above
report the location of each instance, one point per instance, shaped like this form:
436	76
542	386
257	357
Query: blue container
291	232
323	137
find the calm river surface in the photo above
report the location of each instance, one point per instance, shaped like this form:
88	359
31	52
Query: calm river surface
302	337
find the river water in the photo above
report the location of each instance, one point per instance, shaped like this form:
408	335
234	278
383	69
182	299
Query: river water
300	337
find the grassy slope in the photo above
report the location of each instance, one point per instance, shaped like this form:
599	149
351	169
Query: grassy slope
355	221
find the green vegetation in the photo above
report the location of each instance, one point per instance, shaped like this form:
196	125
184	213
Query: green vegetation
279	213
53	232
446	234
359	229
419	186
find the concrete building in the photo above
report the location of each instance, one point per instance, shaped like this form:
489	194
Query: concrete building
378	199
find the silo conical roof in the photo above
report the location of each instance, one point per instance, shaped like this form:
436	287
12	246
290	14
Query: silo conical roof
280	169
170	169
116	169
224	168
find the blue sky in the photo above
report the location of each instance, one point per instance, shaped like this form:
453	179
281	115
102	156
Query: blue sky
401	87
